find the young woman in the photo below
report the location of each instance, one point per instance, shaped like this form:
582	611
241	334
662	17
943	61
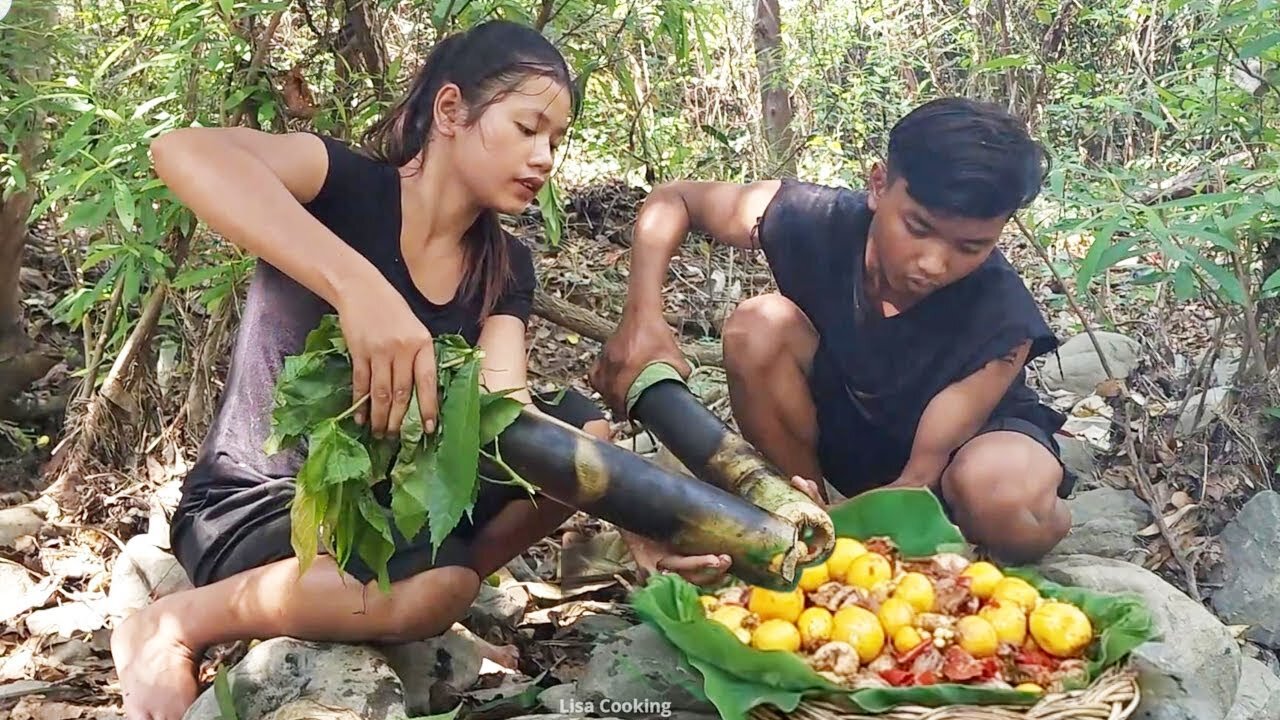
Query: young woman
894	352
403	244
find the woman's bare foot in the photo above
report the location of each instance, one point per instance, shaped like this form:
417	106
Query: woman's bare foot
155	665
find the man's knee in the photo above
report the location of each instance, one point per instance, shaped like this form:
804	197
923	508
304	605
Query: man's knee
763	327
422	614
1004	485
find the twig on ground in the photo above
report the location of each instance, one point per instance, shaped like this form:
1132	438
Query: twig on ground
1157	512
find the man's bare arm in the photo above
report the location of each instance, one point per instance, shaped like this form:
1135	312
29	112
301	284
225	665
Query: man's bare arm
955	415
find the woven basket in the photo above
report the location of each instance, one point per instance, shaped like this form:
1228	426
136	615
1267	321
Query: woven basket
1114	695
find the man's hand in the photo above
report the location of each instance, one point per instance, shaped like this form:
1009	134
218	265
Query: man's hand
809	488
642	337
652	558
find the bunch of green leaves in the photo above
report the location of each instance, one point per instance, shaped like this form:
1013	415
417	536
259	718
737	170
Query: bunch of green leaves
434	477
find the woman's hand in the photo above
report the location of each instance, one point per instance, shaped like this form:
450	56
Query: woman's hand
392	354
652	557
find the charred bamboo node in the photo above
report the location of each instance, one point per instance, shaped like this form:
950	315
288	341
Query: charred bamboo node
661	400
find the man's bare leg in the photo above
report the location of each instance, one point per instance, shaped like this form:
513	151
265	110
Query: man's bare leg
1003	490
155	650
769	346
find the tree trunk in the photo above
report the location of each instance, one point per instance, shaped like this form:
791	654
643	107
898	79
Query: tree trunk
21	363
775	102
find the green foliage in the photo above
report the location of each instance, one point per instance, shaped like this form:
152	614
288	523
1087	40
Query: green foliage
433	478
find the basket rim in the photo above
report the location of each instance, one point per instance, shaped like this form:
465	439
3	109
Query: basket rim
1113	695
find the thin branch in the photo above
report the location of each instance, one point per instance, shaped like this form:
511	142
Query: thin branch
1075	308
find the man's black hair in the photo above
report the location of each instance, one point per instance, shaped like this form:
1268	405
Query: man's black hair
966	158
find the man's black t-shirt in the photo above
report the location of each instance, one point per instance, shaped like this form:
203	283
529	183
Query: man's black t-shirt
873	376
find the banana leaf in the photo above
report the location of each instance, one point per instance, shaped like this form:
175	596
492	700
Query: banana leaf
737	677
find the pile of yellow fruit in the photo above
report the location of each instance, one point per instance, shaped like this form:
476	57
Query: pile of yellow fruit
867	618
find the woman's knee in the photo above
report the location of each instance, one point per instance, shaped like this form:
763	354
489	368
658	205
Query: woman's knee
428	604
763	328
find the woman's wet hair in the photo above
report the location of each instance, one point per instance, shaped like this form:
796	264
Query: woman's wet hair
966	158
486	63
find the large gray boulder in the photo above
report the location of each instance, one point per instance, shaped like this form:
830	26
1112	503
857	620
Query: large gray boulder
1104	522
1259	694
1250	593
1081	369
640	675
1192	670
283	678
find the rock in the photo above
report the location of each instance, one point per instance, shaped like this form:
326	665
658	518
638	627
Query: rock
1225	366
143	573
451	660
1250	593
1104	522
16	522
1263	655
1259	693
1081	369
1214	399
498	607
559	698
1191	671
640	675
283	676
1078	457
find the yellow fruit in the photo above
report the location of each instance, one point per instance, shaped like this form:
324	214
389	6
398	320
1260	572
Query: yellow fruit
1061	629
776	634
815	626
775	605
814	577
730	616
977	636
1031	688
743	635
861	629
1016	590
917	590
983	577
895	613
906	639
708	602
869	570
1008	620
845	551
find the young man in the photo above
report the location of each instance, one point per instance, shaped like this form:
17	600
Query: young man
894	352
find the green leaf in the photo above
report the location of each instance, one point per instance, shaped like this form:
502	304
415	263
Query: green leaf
1259	46
1184	282
1273	412
222	693
1227	281
333	456
305	515
1272	283
459	453
416	470
376	544
496	414
552	213
124	204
